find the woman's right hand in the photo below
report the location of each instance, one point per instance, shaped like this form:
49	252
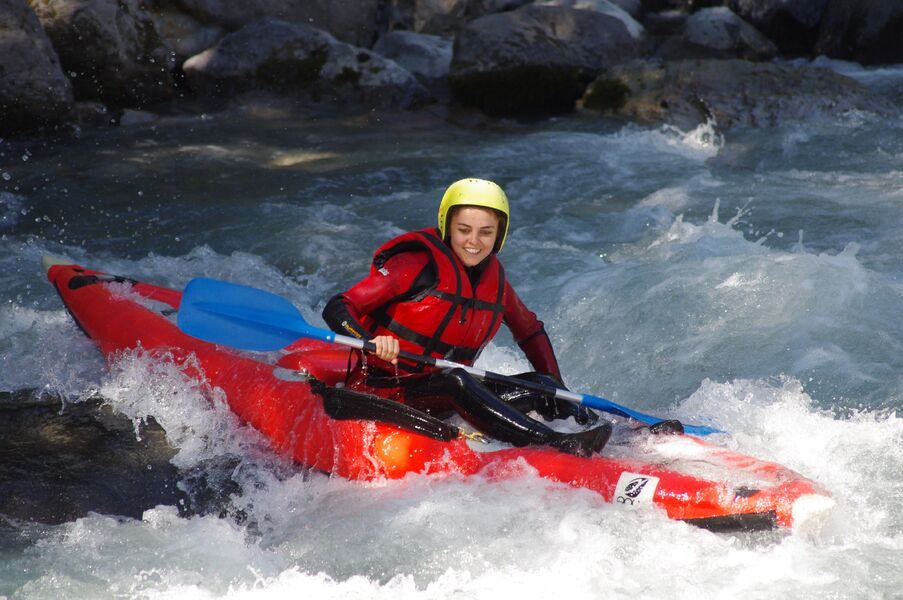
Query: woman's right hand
386	348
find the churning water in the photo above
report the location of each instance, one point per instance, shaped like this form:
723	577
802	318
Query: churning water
753	281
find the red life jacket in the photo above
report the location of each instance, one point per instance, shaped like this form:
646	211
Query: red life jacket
450	319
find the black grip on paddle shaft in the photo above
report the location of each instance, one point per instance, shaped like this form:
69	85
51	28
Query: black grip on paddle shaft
416	358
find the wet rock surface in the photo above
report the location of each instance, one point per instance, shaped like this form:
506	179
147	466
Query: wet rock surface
730	92
92	61
537	59
34	92
59	461
296	59
110	49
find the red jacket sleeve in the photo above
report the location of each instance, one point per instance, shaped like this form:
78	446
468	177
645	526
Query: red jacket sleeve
344	313
530	334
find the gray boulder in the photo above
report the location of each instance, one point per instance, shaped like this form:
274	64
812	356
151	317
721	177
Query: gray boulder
443	17
537	59
791	24
732	92
866	31
602	6
353	21
717	33
428	57
634	8
687	6
110	49
184	34
34	92
295	59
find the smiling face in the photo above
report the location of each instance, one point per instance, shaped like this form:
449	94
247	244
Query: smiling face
472	233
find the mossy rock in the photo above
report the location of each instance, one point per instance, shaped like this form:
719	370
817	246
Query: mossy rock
606	94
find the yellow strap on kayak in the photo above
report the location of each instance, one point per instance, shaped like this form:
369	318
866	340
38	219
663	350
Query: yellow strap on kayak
474	436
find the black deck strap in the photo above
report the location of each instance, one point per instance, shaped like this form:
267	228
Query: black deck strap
80	281
345	404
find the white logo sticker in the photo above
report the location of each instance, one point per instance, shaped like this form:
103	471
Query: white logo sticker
635	490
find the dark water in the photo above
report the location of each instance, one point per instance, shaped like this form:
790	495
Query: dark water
750	280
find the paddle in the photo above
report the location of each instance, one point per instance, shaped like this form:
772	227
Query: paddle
244	317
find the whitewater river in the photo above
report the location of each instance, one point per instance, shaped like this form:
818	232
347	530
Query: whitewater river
753	282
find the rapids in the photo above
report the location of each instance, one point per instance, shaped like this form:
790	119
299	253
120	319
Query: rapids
751	280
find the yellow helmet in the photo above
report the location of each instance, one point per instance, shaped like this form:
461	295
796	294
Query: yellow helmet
475	192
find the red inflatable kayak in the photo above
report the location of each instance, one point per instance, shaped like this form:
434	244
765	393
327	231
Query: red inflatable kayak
686	477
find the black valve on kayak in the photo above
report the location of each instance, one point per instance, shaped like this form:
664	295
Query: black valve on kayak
667	427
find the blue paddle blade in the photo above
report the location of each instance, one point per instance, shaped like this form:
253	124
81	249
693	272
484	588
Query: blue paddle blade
240	316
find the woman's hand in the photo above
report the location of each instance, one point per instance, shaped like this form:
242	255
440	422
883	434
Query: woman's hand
386	348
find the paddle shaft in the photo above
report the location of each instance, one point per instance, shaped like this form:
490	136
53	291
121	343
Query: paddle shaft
562	394
252	319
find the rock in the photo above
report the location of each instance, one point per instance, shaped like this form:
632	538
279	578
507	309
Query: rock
444	17
685	6
537	59
428	57
666	23
95	114
110	49
297	59
865	31
61	460
34	92
732	92
791	24
717	33
353	21
604	7
634	8
184	34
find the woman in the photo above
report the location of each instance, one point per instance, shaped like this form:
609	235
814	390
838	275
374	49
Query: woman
442	292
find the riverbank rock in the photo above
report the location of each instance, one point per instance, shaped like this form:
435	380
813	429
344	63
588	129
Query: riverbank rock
537	59
443	17
62	460
294	59
601	6
632	7
34	92
110	49
791	24
865	31
604	7
686	6
184	34
352	21
717	33
428	57
732	92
